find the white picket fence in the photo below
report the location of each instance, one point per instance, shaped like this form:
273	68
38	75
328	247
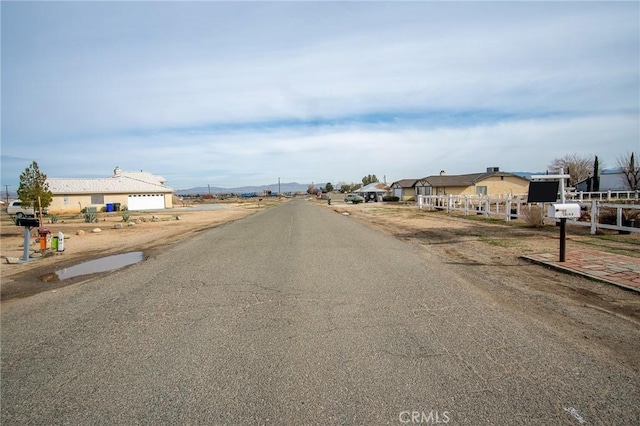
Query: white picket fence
602	196
510	209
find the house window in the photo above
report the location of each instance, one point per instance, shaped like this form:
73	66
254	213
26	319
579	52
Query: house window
481	190
97	199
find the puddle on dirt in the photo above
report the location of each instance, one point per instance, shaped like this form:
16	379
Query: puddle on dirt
103	264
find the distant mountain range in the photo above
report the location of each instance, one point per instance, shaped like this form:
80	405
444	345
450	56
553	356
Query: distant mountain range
292	187
527	175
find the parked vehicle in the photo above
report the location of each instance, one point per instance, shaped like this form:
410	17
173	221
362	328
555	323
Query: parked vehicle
354	198
15	209
371	197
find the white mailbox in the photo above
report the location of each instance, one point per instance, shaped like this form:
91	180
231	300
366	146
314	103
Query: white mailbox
564	211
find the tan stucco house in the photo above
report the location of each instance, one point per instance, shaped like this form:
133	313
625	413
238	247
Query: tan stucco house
131	190
493	182
405	189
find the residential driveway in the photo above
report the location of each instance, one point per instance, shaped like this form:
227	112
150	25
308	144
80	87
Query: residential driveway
298	315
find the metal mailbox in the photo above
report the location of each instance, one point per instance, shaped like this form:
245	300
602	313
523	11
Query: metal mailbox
28	222
564	211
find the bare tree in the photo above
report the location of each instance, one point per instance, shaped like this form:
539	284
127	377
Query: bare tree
630	170
577	166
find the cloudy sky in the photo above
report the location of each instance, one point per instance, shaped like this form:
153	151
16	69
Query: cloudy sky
241	93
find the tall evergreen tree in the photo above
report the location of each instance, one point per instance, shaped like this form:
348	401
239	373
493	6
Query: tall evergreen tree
596	175
33	186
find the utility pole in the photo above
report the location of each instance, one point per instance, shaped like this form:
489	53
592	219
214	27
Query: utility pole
278	186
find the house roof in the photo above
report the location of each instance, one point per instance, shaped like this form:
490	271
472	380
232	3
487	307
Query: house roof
373	187
404	183
462	180
123	183
143	176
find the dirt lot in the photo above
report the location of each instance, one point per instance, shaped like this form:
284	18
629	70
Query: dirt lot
146	232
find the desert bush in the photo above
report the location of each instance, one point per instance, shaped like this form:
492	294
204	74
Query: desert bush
125	217
533	216
90	217
609	215
54	219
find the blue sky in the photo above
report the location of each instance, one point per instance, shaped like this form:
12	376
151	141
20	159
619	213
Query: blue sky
241	93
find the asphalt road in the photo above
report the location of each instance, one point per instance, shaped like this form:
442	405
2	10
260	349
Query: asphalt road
296	315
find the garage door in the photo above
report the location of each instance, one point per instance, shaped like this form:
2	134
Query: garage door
145	201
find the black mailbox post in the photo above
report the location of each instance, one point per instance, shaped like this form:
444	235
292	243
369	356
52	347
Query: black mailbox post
28	223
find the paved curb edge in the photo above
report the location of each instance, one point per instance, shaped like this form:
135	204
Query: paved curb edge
578	273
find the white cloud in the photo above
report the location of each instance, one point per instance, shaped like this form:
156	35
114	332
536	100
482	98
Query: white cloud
225	90
336	153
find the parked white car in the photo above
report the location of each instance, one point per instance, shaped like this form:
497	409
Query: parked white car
15	209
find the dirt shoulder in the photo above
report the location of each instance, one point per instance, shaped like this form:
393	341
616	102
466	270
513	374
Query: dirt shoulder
148	232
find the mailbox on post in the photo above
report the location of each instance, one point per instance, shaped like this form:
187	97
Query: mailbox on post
28	222
544	190
564	211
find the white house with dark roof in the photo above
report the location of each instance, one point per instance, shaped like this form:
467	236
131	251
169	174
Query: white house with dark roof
121	191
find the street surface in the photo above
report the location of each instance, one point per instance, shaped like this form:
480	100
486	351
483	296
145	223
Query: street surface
297	315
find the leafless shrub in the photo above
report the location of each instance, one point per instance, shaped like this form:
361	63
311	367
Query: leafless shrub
609	216
533	216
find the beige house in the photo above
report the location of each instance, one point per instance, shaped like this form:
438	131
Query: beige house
122	191
405	189
493	182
